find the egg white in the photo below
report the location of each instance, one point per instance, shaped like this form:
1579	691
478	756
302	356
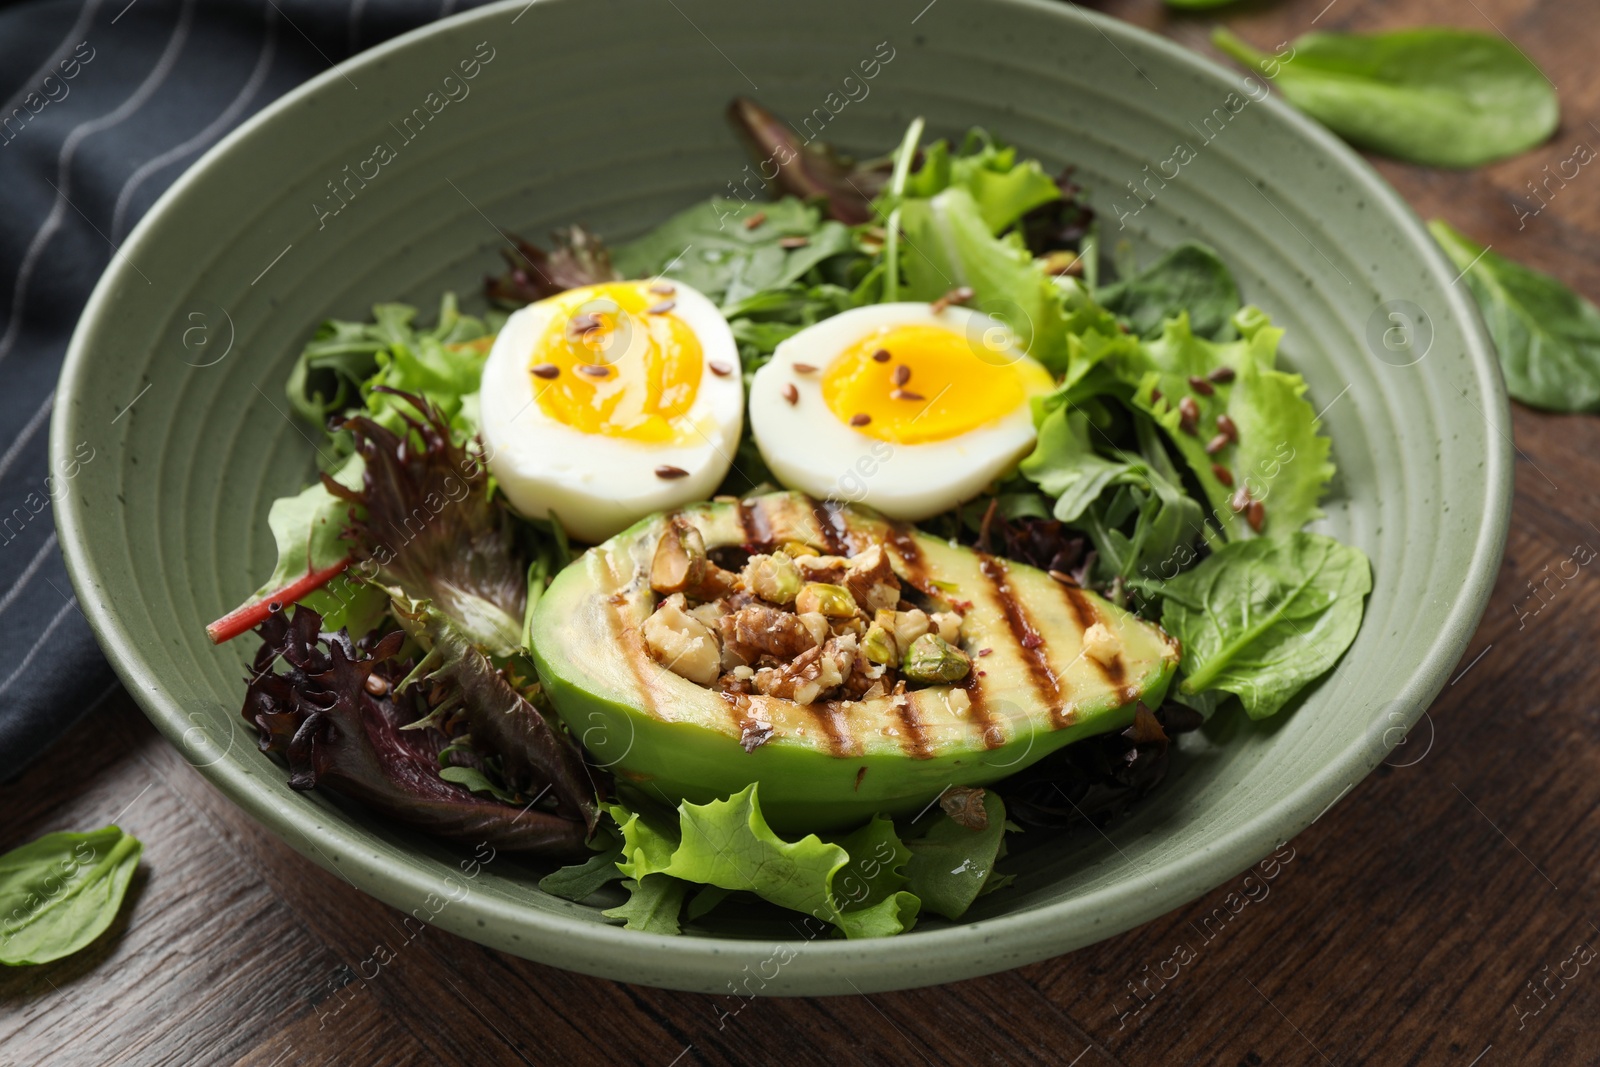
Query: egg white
810	449
594	484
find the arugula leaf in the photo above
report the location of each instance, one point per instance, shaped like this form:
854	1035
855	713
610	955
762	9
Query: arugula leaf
1066	466
711	247
577	882
1279	455
1547	335
1189	278
949	244
1262	618
950	864
340	365
475	781
59	893
1442	97
653	905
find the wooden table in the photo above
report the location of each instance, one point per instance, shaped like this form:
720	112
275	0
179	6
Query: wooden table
1410	926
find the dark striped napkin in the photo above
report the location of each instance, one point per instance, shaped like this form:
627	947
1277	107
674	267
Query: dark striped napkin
102	106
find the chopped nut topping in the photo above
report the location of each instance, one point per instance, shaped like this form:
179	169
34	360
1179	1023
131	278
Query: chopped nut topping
681	643
1101	644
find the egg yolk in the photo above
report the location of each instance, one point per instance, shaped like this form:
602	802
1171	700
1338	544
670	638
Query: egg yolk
913	384
616	361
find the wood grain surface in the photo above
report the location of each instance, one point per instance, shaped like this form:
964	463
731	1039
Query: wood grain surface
1423	920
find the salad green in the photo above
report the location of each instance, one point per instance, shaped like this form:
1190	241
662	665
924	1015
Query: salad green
1175	466
1444	97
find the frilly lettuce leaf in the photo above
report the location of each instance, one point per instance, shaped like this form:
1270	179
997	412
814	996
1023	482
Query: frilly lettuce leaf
1280	456
1004	188
949	244
340	366
853	884
1262	618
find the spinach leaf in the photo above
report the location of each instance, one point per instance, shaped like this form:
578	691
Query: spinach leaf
1442	97
711	247
1189	278
1548	336
1262	618
59	893
951	864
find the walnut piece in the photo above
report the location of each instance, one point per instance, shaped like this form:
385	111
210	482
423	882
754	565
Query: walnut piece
682	643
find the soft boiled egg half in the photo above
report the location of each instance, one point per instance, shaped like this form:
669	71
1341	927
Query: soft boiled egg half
603	404
908	408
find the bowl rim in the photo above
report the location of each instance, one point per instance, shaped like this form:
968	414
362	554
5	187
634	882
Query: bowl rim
699	963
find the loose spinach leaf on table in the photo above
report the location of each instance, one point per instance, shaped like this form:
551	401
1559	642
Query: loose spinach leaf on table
1262	618
1443	97
1548	336
59	893
1189	278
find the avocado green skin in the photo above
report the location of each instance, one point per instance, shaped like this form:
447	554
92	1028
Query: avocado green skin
804	788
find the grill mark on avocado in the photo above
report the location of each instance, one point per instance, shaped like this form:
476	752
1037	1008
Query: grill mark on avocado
834	535
1029	643
905	546
993	736
1084	611
753	521
914	738
824	714
635	653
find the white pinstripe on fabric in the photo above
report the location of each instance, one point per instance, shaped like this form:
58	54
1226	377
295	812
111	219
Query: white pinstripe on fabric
69	147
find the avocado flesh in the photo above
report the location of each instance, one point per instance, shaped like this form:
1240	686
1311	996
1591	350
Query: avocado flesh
833	764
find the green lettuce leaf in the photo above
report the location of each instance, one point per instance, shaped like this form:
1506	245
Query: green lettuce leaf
1004	187
951	864
949	244
1262	618
1280	456
653	905
710	247
1189	278
339	367
727	843
1547	335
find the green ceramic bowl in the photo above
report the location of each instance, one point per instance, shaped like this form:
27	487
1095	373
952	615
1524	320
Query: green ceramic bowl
610	113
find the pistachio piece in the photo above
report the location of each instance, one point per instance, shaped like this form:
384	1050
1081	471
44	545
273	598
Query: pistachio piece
878	645
834	601
680	559
933	660
773	578
796	549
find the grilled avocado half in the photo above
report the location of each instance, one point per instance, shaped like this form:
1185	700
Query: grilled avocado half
831	764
